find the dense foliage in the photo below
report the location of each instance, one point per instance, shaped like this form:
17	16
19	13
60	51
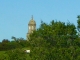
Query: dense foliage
54	41
16	43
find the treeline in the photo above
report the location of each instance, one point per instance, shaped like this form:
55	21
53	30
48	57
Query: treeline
16	43
54	41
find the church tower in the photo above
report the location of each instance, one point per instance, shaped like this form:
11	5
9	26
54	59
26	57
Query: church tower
31	27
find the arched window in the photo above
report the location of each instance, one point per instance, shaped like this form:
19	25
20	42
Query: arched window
32	28
29	27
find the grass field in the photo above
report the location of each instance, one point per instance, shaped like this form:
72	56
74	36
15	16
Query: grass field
3	54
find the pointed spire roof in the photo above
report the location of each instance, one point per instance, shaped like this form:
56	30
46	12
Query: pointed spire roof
32	17
32	21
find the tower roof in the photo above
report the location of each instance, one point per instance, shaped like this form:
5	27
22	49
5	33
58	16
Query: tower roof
32	21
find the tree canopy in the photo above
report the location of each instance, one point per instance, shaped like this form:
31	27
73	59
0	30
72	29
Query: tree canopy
54	41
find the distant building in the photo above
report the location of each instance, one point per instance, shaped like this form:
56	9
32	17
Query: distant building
31	27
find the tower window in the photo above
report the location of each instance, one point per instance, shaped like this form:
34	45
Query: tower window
32	27
29	27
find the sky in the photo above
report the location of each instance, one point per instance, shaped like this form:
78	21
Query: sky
16	14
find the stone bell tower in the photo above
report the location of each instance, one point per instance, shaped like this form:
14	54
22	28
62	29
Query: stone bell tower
31	27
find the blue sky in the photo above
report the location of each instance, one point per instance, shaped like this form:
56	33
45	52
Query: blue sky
15	14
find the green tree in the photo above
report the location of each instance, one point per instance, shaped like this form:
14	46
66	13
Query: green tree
16	54
78	25
50	41
78	21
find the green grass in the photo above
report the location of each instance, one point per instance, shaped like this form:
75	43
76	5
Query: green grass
3	54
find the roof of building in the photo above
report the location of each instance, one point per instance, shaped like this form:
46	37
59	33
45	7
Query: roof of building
32	21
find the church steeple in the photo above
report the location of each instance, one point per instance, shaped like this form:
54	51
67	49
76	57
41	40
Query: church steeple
31	26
